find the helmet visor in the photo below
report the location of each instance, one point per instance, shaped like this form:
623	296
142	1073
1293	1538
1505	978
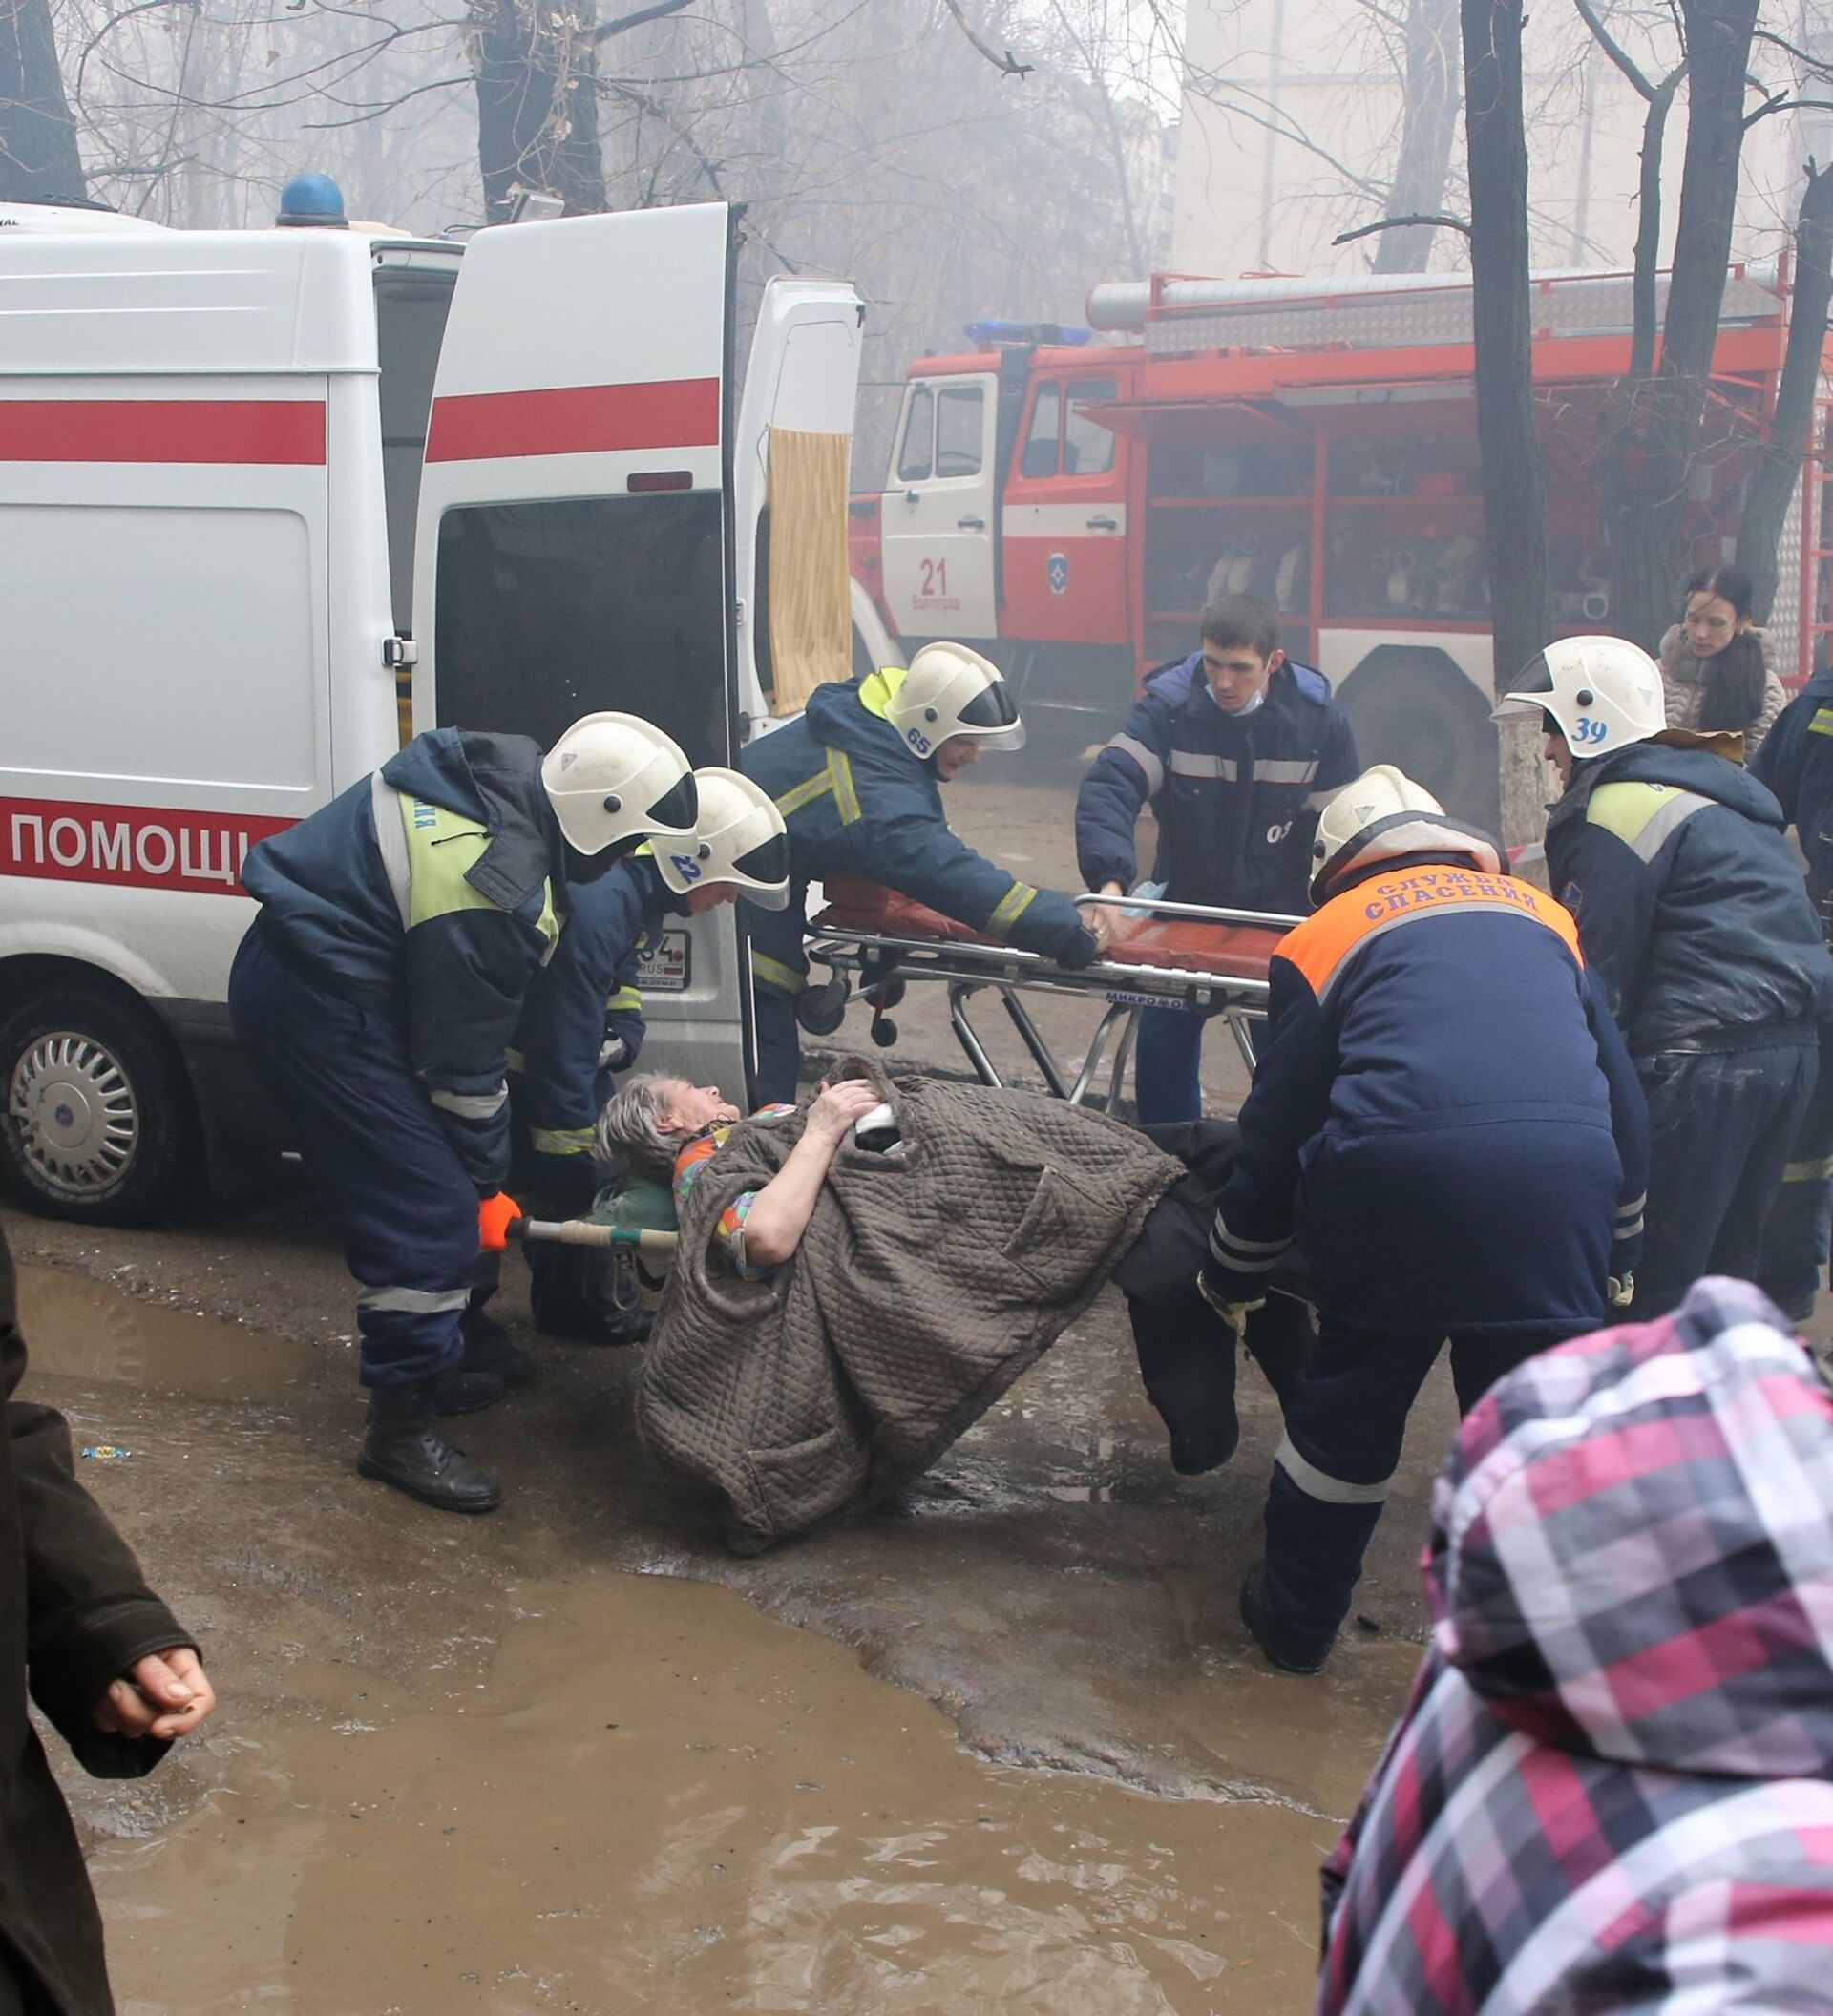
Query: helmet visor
992	719
767	868
1529	689
675	809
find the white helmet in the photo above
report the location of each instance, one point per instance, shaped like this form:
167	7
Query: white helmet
739	839
613	777
1382	815
950	690
1604	692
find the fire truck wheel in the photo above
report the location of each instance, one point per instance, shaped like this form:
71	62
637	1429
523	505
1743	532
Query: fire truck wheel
1418	711
98	1125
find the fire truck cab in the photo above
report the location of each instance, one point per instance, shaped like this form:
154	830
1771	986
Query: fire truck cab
1070	503
270	500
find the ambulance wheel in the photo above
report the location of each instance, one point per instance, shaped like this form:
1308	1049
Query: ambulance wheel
98	1125
1414	708
821	1010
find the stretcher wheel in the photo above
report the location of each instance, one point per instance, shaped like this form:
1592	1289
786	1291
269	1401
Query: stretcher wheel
884	1032
821	1010
886	993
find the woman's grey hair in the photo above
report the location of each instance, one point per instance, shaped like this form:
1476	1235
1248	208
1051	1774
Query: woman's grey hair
632	1139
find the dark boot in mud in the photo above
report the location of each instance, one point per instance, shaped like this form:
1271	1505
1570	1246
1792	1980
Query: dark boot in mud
458	1391
489	1348
1290	1650
1186	1360
403	1449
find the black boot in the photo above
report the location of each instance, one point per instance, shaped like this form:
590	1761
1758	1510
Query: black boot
489	1348
1290	1650
459	1391
402	1449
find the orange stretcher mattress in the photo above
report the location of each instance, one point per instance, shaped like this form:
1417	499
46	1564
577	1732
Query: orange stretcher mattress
1228	952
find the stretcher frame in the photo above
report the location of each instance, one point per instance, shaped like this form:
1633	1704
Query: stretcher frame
862	960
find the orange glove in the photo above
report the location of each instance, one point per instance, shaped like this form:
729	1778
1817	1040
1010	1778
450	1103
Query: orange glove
494	1216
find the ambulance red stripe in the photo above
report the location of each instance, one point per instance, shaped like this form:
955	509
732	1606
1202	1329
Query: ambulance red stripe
575	420
271	431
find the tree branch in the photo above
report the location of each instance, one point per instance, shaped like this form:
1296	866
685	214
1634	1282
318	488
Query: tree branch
606	30
1612	48
1004	62
1784	103
1401	224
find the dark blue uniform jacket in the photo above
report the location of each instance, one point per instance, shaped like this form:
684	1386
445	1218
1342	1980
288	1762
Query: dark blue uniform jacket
448	933
1445	1114
1236	797
1689	903
1796	763
857	802
583	1017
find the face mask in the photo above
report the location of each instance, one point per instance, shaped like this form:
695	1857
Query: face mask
1240	713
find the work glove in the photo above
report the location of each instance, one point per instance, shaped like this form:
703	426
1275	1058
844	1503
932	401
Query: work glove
1235	1314
495	1214
1078	950
1622	1291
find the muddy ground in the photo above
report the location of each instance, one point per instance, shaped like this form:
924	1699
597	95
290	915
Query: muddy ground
1004	1744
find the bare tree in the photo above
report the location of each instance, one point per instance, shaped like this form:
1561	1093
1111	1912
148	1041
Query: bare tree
1428	130
38	155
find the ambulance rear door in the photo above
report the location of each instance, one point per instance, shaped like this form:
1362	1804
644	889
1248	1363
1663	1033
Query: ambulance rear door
800	387
575	527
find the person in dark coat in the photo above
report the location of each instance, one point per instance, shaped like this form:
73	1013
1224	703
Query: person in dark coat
1692	912
1796	763
1445	1121
1239	749
110	1669
859	778
401	929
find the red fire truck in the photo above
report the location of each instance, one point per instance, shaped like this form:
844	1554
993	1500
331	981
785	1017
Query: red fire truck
1069	499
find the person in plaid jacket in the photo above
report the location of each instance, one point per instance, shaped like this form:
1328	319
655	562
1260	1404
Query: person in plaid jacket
1612	1791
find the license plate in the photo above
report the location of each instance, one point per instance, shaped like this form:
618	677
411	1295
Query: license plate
665	965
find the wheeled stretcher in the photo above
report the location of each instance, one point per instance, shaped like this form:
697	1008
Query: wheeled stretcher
1183	956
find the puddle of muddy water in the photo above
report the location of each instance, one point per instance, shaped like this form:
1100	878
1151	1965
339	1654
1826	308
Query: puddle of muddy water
75	1328
659	1801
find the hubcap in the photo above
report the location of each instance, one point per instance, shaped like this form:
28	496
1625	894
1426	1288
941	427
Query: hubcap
72	1110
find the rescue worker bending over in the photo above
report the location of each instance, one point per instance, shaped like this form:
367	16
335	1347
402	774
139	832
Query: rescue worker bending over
400	930
1446	1116
1237	749
1796	763
859	778
1693	914
576	1029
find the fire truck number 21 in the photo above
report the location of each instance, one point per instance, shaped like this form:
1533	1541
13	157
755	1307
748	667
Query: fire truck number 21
935	577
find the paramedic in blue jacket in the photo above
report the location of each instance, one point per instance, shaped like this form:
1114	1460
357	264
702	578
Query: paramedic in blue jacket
582	1026
400	928
858	777
1694	915
1796	763
1446	1120
1237	749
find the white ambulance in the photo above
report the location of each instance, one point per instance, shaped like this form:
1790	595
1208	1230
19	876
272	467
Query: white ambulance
245	477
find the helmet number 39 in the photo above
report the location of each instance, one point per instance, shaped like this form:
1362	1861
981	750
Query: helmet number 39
1585	729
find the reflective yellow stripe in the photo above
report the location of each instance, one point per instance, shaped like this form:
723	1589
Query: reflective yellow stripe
627	1001
442	847
845	799
1012	906
562	1141
774	974
1823	722
805	794
878	690
515	1059
1808	1171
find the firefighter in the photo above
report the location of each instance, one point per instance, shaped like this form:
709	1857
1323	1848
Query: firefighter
1694	917
578	1029
1796	763
1237	749
1445	1118
400	930
858	777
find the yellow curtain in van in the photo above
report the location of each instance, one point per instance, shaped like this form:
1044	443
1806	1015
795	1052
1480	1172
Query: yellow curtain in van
810	611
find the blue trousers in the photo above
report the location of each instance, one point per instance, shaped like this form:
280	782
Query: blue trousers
392	1183
778	969
1346	1413
1798	1234
1722	1126
1167	1057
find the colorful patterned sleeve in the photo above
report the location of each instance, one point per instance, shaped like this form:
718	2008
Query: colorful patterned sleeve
729	1232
